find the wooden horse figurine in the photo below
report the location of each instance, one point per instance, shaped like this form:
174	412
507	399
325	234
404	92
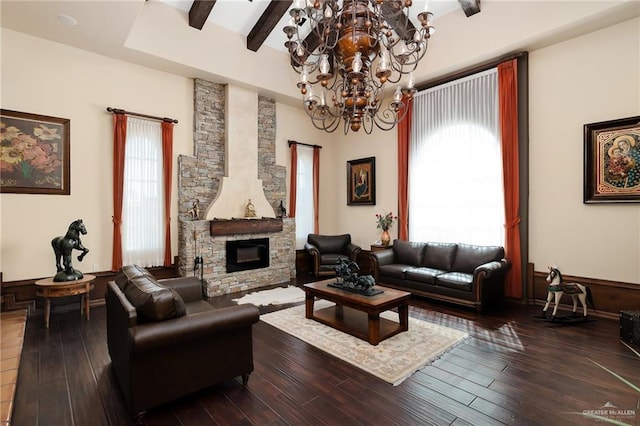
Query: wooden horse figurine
63	246
557	287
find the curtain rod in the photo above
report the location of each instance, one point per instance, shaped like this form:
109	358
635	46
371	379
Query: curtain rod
305	144
121	111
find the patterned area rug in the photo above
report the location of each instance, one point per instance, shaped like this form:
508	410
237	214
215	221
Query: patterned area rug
276	296
393	360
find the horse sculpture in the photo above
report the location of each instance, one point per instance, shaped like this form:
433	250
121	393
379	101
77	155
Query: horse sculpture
557	287
63	246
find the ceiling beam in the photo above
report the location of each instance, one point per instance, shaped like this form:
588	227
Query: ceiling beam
266	23
199	12
470	7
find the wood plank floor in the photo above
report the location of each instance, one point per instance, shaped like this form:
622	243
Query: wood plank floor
513	369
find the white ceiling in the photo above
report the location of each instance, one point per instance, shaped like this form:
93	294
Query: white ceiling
240	15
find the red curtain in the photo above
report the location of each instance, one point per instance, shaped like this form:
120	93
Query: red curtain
316	188
167	168
404	132
508	95
119	140
293	179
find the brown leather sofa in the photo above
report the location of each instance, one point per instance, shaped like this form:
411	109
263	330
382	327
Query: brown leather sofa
327	250
469	275
166	341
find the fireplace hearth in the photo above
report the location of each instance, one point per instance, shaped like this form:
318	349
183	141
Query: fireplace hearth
243	255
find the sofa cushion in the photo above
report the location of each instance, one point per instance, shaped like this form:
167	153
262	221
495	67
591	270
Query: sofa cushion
408	253
394	270
469	257
332	259
440	256
153	301
455	280
127	273
423	275
329	243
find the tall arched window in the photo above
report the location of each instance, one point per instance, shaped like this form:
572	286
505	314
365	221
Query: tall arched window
455	163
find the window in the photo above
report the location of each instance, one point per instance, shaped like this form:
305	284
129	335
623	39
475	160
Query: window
143	236
304	195
455	163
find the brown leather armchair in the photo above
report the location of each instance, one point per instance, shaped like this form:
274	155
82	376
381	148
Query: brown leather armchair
165	341
327	250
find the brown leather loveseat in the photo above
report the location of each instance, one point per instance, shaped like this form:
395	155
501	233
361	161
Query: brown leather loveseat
165	341
466	274
327	250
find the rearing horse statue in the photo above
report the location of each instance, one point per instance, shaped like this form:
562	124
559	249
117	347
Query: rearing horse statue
63	246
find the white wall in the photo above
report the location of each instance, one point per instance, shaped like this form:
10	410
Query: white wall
46	78
588	79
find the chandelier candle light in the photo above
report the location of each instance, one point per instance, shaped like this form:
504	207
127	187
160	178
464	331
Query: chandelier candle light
353	50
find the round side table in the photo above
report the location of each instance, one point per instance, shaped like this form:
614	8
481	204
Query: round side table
48	289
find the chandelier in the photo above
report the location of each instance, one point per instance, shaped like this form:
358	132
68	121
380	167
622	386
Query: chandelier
352	51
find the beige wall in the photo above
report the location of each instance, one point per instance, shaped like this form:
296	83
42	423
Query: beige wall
586	79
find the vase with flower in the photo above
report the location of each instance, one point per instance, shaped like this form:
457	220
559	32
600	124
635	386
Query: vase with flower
384	222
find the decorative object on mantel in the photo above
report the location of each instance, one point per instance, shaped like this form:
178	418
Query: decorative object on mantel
339	53
347	278
34	155
63	246
194	211
282	211
250	210
384	222
612	161
245	226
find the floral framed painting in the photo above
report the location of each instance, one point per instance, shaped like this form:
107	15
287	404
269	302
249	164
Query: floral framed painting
612	161
34	156
361	181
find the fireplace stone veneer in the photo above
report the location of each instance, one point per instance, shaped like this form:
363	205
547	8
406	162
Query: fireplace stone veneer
195	240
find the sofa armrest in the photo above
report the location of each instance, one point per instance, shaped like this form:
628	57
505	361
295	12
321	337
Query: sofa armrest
383	257
202	325
488	269
189	288
352	250
312	249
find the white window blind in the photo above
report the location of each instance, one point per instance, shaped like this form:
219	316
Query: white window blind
304	195
455	163
143	195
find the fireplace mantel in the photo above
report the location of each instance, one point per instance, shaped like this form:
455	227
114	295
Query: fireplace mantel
237	226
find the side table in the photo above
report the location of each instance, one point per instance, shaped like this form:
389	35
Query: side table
48	289
378	247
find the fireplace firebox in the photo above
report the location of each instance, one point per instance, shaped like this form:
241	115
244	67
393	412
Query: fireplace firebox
243	255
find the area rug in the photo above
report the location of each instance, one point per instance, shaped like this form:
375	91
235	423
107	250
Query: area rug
393	360
276	296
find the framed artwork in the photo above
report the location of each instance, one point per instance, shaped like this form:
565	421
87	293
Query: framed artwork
34	157
612	161
361	181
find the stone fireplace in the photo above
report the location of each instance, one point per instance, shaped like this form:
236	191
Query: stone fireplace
234	161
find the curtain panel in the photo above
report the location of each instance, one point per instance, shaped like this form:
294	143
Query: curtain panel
508	88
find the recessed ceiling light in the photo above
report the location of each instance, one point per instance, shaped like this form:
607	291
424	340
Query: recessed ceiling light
66	19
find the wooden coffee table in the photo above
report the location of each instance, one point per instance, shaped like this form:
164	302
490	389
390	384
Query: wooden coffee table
356	314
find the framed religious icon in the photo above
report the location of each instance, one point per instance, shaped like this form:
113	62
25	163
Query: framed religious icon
361	181
34	156
612	161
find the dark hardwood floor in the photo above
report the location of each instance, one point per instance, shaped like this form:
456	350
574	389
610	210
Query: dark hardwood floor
513	369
